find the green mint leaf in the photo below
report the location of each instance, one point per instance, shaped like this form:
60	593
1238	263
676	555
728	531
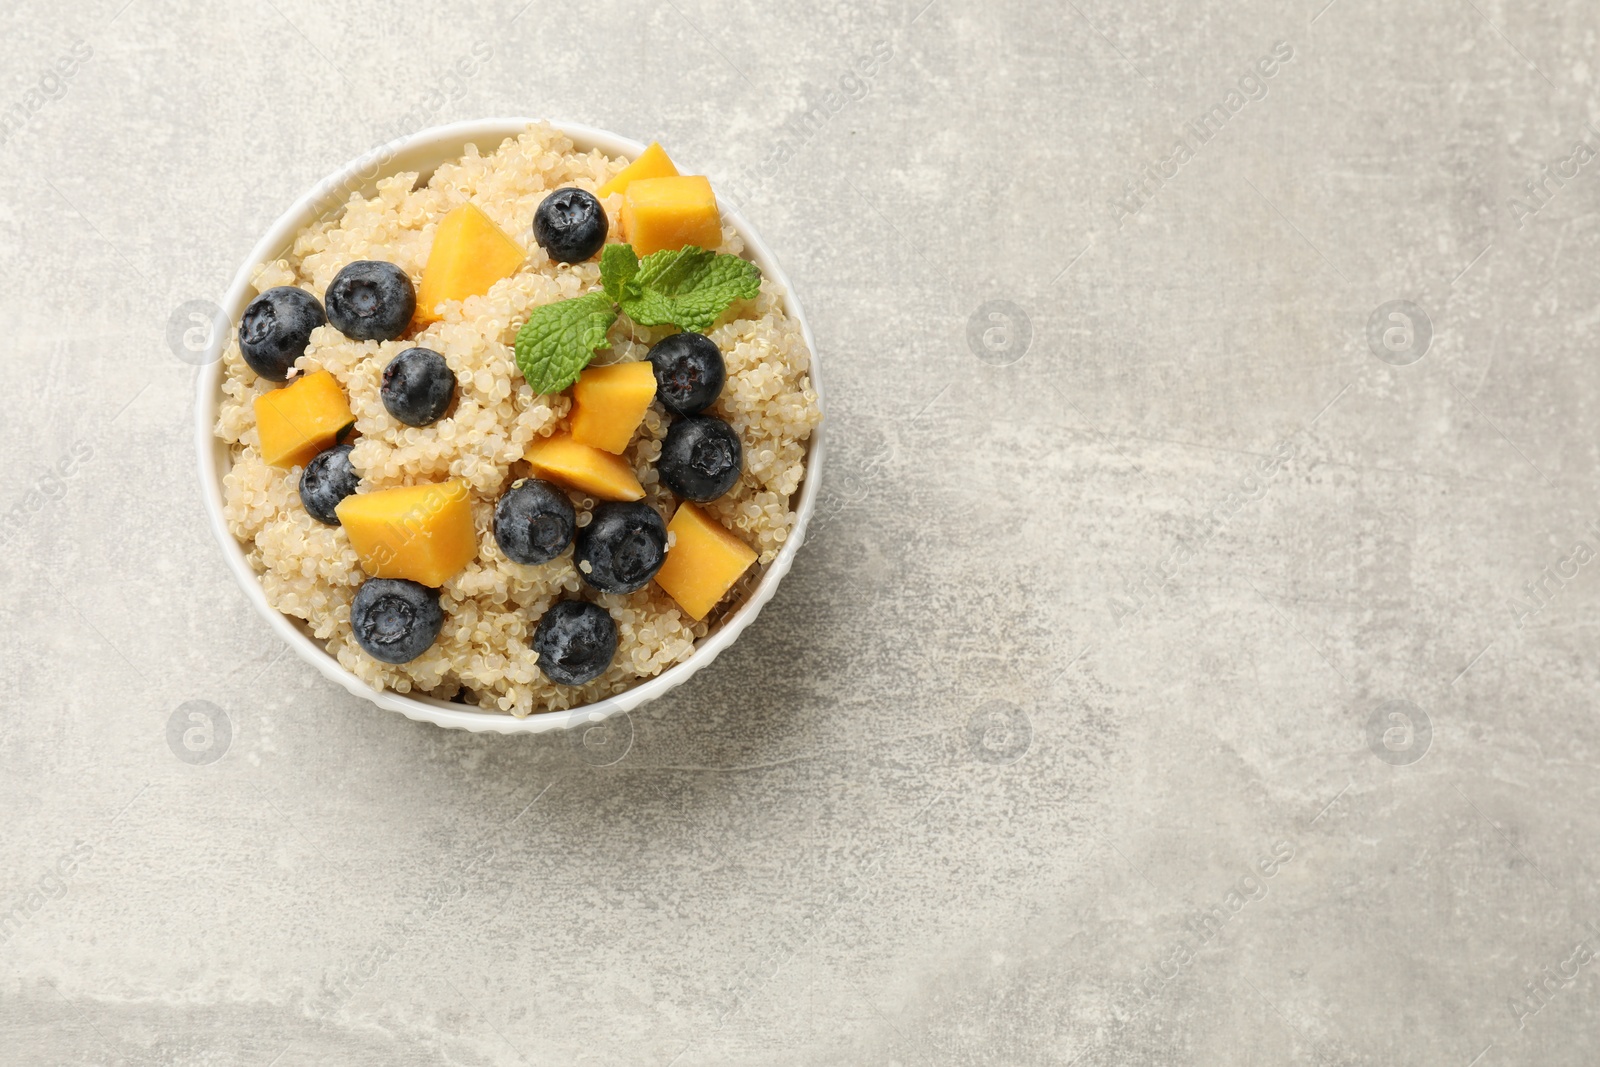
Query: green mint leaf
618	266
559	340
687	288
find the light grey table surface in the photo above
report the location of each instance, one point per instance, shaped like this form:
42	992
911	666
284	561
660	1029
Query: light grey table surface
1192	663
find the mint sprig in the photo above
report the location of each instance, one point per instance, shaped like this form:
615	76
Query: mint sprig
560	339
618	267
686	287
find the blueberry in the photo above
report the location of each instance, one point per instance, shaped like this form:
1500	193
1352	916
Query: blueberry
328	479
701	458
534	521
570	224
417	386
394	619
689	372
274	329
575	641
624	545
371	301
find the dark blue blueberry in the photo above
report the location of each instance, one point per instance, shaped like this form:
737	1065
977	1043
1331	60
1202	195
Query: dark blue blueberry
418	386
371	301
394	619
570	224
624	545
701	458
689	372
575	641
534	521
274	329
328	479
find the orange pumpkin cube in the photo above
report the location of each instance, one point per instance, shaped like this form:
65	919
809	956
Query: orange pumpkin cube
652	163
609	402
584	468
704	562
469	254
296	422
667	213
420	532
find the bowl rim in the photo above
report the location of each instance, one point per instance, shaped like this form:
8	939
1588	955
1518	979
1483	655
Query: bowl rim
361	174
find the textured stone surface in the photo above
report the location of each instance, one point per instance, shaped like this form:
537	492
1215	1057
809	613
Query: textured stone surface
1095	618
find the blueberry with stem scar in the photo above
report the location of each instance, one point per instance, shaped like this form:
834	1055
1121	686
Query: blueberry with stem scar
623	546
328	479
576	641
690	372
534	521
370	300
275	328
570	225
701	458
417	386
395	619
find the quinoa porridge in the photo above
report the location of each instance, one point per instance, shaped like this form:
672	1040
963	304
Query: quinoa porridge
498	438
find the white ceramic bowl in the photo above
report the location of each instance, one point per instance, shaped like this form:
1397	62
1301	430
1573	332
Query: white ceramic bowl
422	152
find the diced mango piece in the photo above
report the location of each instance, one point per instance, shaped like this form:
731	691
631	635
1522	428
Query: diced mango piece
665	213
301	419
608	403
420	532
583	467
652	163
470	253
703	563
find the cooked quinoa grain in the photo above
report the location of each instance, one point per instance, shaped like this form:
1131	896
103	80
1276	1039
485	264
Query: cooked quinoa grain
310	571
